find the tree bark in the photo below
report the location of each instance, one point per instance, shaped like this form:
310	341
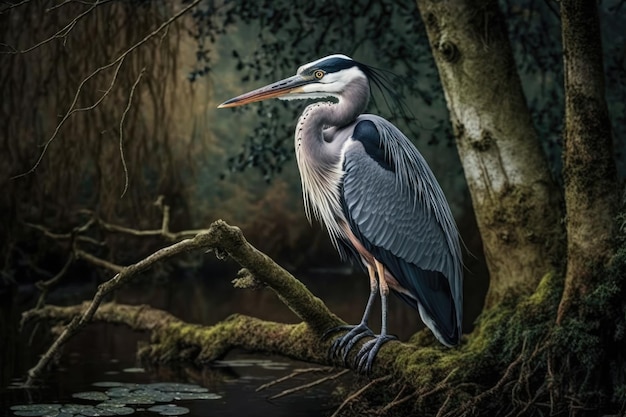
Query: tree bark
589	170
517	205
173	340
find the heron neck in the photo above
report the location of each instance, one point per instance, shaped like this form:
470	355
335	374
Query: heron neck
324	114
352	102
310	142
319	156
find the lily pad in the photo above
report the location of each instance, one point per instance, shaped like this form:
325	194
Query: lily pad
169	410
85	410
152	395
177	387
91	395
33	410
130	400
196	396
116	409
118	392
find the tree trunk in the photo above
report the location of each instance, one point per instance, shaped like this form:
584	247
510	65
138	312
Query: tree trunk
517	205
588	167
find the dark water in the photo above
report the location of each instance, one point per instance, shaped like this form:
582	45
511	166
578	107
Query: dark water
103	352
106	353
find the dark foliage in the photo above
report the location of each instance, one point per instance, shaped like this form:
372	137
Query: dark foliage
389	34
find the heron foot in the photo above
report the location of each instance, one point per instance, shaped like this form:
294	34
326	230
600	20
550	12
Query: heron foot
365	358
342	345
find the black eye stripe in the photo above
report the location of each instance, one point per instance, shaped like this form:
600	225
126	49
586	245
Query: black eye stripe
335	64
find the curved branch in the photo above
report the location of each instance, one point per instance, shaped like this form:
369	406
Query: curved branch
222	238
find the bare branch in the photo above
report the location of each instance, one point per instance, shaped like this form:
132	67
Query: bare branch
359	392
73	110
294	374
162	232
117	63
64	31
81	254
13	6
44	286
309	385
57	6
130	100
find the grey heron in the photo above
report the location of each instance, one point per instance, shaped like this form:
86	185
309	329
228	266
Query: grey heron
374	192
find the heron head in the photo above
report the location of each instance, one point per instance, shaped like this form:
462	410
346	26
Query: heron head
325	77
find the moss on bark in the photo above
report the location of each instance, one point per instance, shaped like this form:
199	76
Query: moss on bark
518	207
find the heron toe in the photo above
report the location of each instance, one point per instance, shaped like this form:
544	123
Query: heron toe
343	344
365	358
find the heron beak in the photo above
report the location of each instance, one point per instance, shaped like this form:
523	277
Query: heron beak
277	89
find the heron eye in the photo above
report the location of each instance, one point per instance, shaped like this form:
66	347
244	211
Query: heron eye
318	74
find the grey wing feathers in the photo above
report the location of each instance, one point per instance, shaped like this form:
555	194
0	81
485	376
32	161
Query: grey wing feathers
392	199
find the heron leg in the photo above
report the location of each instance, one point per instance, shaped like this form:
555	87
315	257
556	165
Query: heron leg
342	345
366	355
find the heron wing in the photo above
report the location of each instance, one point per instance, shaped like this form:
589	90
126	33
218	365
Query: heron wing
395	207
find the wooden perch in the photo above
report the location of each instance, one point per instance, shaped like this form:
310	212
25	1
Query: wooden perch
300	341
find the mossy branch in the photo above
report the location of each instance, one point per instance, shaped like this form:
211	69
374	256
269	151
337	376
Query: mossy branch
175	340
221	238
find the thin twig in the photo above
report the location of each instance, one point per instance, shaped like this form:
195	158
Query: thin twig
130	101
13	6
164	232
81	254
440	385
62	236
309	385
44	286
57	6
64	31
359	392
73	110
118	61
295	373
397	402
443	407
